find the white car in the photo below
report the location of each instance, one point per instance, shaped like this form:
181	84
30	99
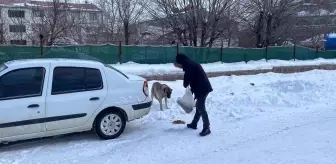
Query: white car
47	97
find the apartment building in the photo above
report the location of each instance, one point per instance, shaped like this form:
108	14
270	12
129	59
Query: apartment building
23	21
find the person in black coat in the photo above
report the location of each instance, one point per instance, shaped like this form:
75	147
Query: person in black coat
196	78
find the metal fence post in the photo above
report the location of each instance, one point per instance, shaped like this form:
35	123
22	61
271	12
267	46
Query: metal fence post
41	44
294	52
120	53
221	51
266	54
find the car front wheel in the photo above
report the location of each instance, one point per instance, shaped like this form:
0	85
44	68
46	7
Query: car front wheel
110	125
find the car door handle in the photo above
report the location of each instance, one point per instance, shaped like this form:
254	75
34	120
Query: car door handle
94	98
33	106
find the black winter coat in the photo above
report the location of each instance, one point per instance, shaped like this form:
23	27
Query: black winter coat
194	76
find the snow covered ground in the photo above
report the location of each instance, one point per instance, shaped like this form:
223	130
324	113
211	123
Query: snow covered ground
163	69
278	119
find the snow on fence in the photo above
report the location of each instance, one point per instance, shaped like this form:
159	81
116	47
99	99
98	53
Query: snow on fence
112	54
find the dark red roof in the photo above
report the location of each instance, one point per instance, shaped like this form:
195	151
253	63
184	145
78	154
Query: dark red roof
88	6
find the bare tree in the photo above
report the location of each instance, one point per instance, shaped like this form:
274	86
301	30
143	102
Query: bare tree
270	20
313	22
129	12
111	22
2	33
2	28
194	22
55	21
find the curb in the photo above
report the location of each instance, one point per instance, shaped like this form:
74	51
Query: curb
278	69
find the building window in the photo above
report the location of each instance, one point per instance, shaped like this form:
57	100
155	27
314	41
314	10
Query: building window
76	15
39	28
18	42
91	29
38	13
16	13
93	16
307	1
78	29
17	28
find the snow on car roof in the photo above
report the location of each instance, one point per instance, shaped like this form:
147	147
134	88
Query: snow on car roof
51	60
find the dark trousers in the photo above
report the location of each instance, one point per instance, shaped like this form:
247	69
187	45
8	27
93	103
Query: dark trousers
201	111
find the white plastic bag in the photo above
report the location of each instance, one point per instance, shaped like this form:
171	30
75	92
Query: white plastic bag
187	102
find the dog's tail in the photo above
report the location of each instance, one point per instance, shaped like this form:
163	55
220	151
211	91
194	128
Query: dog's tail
152	93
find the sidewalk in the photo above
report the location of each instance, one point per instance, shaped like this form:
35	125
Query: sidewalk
149	70
278	69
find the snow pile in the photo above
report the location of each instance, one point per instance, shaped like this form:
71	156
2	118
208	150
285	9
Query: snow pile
332	35
265	118
303	13
18	4
333	13
321	12
169	69
242	96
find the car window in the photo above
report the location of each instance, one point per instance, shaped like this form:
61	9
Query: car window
115	69
75	79
2	67
67	80
22	83
93	79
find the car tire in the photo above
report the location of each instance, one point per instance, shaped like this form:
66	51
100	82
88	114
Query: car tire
110	125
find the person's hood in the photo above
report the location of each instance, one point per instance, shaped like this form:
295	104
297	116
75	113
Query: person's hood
182	59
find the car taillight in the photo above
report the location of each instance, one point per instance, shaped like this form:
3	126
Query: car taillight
145	88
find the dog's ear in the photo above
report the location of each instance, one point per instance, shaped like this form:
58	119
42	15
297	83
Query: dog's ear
165	89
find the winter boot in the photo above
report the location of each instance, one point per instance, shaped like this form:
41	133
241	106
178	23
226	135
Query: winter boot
192	126
205	131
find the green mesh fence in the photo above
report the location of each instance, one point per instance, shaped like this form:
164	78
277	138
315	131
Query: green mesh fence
213	55
232	55
170	53
305	53
254	54
111	54
18	52
280	53
326	54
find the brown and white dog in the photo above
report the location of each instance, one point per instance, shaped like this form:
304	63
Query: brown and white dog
161	91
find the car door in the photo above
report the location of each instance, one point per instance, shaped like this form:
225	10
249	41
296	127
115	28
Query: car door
76	92
22	100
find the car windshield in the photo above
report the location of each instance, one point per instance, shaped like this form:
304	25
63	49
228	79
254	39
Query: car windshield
2	67
109	66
